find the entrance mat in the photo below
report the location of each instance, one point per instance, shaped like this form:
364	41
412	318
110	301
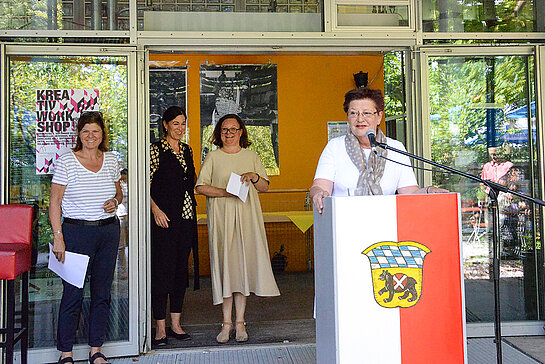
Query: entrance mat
533	346
271	332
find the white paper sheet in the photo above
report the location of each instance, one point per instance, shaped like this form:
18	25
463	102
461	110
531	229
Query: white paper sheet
74	268
237	188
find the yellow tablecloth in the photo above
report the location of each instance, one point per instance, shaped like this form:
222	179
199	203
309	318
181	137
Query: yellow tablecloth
302	219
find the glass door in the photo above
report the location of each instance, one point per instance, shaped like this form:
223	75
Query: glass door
479	112
47	88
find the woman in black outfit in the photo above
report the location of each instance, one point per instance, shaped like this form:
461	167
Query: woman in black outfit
174	225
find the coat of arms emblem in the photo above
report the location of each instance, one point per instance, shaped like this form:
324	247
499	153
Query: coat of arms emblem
396	270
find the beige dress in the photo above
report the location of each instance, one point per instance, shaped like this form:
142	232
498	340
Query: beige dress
239	254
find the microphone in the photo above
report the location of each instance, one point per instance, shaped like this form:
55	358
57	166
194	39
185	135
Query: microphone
371	135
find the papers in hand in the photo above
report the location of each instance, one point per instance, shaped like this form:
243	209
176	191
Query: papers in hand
237	188
74	268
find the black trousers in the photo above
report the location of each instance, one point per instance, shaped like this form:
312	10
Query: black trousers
100	243
170	249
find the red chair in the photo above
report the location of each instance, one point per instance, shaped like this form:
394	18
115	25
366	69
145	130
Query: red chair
15	253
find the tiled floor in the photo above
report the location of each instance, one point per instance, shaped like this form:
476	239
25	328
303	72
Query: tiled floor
480	351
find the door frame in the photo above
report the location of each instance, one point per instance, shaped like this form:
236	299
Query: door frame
423	144
114	349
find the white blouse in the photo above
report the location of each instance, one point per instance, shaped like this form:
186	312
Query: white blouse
335	165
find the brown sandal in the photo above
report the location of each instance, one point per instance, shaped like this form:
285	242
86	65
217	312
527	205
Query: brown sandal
223	337
243	335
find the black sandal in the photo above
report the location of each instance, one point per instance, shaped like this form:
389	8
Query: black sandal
68	359
97	355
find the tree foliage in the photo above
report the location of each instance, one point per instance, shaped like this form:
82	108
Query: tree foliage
459	103
484	15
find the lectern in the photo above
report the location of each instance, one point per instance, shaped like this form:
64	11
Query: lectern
389	282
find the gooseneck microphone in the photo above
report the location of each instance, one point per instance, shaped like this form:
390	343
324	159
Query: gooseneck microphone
372	135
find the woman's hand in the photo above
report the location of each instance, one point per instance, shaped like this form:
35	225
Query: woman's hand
409	190
433	189
110	206
59	248
317	200
321	188
161	219
249	177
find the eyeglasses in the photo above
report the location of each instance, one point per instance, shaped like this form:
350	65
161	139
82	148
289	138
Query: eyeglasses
229	130
353	114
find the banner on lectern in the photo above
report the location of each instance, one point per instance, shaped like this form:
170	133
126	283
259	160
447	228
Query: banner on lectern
398	280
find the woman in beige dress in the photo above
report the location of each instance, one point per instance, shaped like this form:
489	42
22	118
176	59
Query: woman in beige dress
239	254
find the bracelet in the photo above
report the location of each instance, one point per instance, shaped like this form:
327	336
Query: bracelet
428	189
116	202
57	232
257	180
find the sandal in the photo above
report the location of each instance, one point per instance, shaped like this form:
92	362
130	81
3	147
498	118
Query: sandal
97	355
68	359
223	337
243	335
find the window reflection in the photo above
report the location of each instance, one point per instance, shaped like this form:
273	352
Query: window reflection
482	123
64	15
109	76
483	16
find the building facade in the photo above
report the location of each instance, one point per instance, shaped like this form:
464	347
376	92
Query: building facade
464	84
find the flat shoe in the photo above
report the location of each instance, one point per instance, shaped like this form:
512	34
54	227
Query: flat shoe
183	337
159	342
68	359
95	356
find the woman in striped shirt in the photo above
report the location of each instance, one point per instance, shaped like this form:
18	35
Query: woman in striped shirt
85	191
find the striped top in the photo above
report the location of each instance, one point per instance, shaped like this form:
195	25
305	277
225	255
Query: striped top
86	191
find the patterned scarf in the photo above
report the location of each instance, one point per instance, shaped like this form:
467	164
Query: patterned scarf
371	170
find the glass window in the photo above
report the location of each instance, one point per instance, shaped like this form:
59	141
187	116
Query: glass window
483	16
482	114
230	15
373	15
28	185
394	96
64	15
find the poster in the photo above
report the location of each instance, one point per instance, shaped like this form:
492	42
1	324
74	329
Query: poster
249	91
57	114
336	129
167	87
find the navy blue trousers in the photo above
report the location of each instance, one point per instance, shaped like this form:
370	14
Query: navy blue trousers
100	243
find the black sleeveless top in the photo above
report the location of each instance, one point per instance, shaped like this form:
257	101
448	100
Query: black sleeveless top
173	180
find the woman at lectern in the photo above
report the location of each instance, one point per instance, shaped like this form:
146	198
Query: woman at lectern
347	166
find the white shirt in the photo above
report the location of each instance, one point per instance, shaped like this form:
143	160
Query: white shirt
86	191
335	165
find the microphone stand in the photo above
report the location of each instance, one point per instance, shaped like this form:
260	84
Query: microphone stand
495	189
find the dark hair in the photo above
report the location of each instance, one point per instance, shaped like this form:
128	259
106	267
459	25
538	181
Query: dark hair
244	142
91	117
170	114
364	93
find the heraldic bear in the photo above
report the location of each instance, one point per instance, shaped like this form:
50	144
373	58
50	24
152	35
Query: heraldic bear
398	283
